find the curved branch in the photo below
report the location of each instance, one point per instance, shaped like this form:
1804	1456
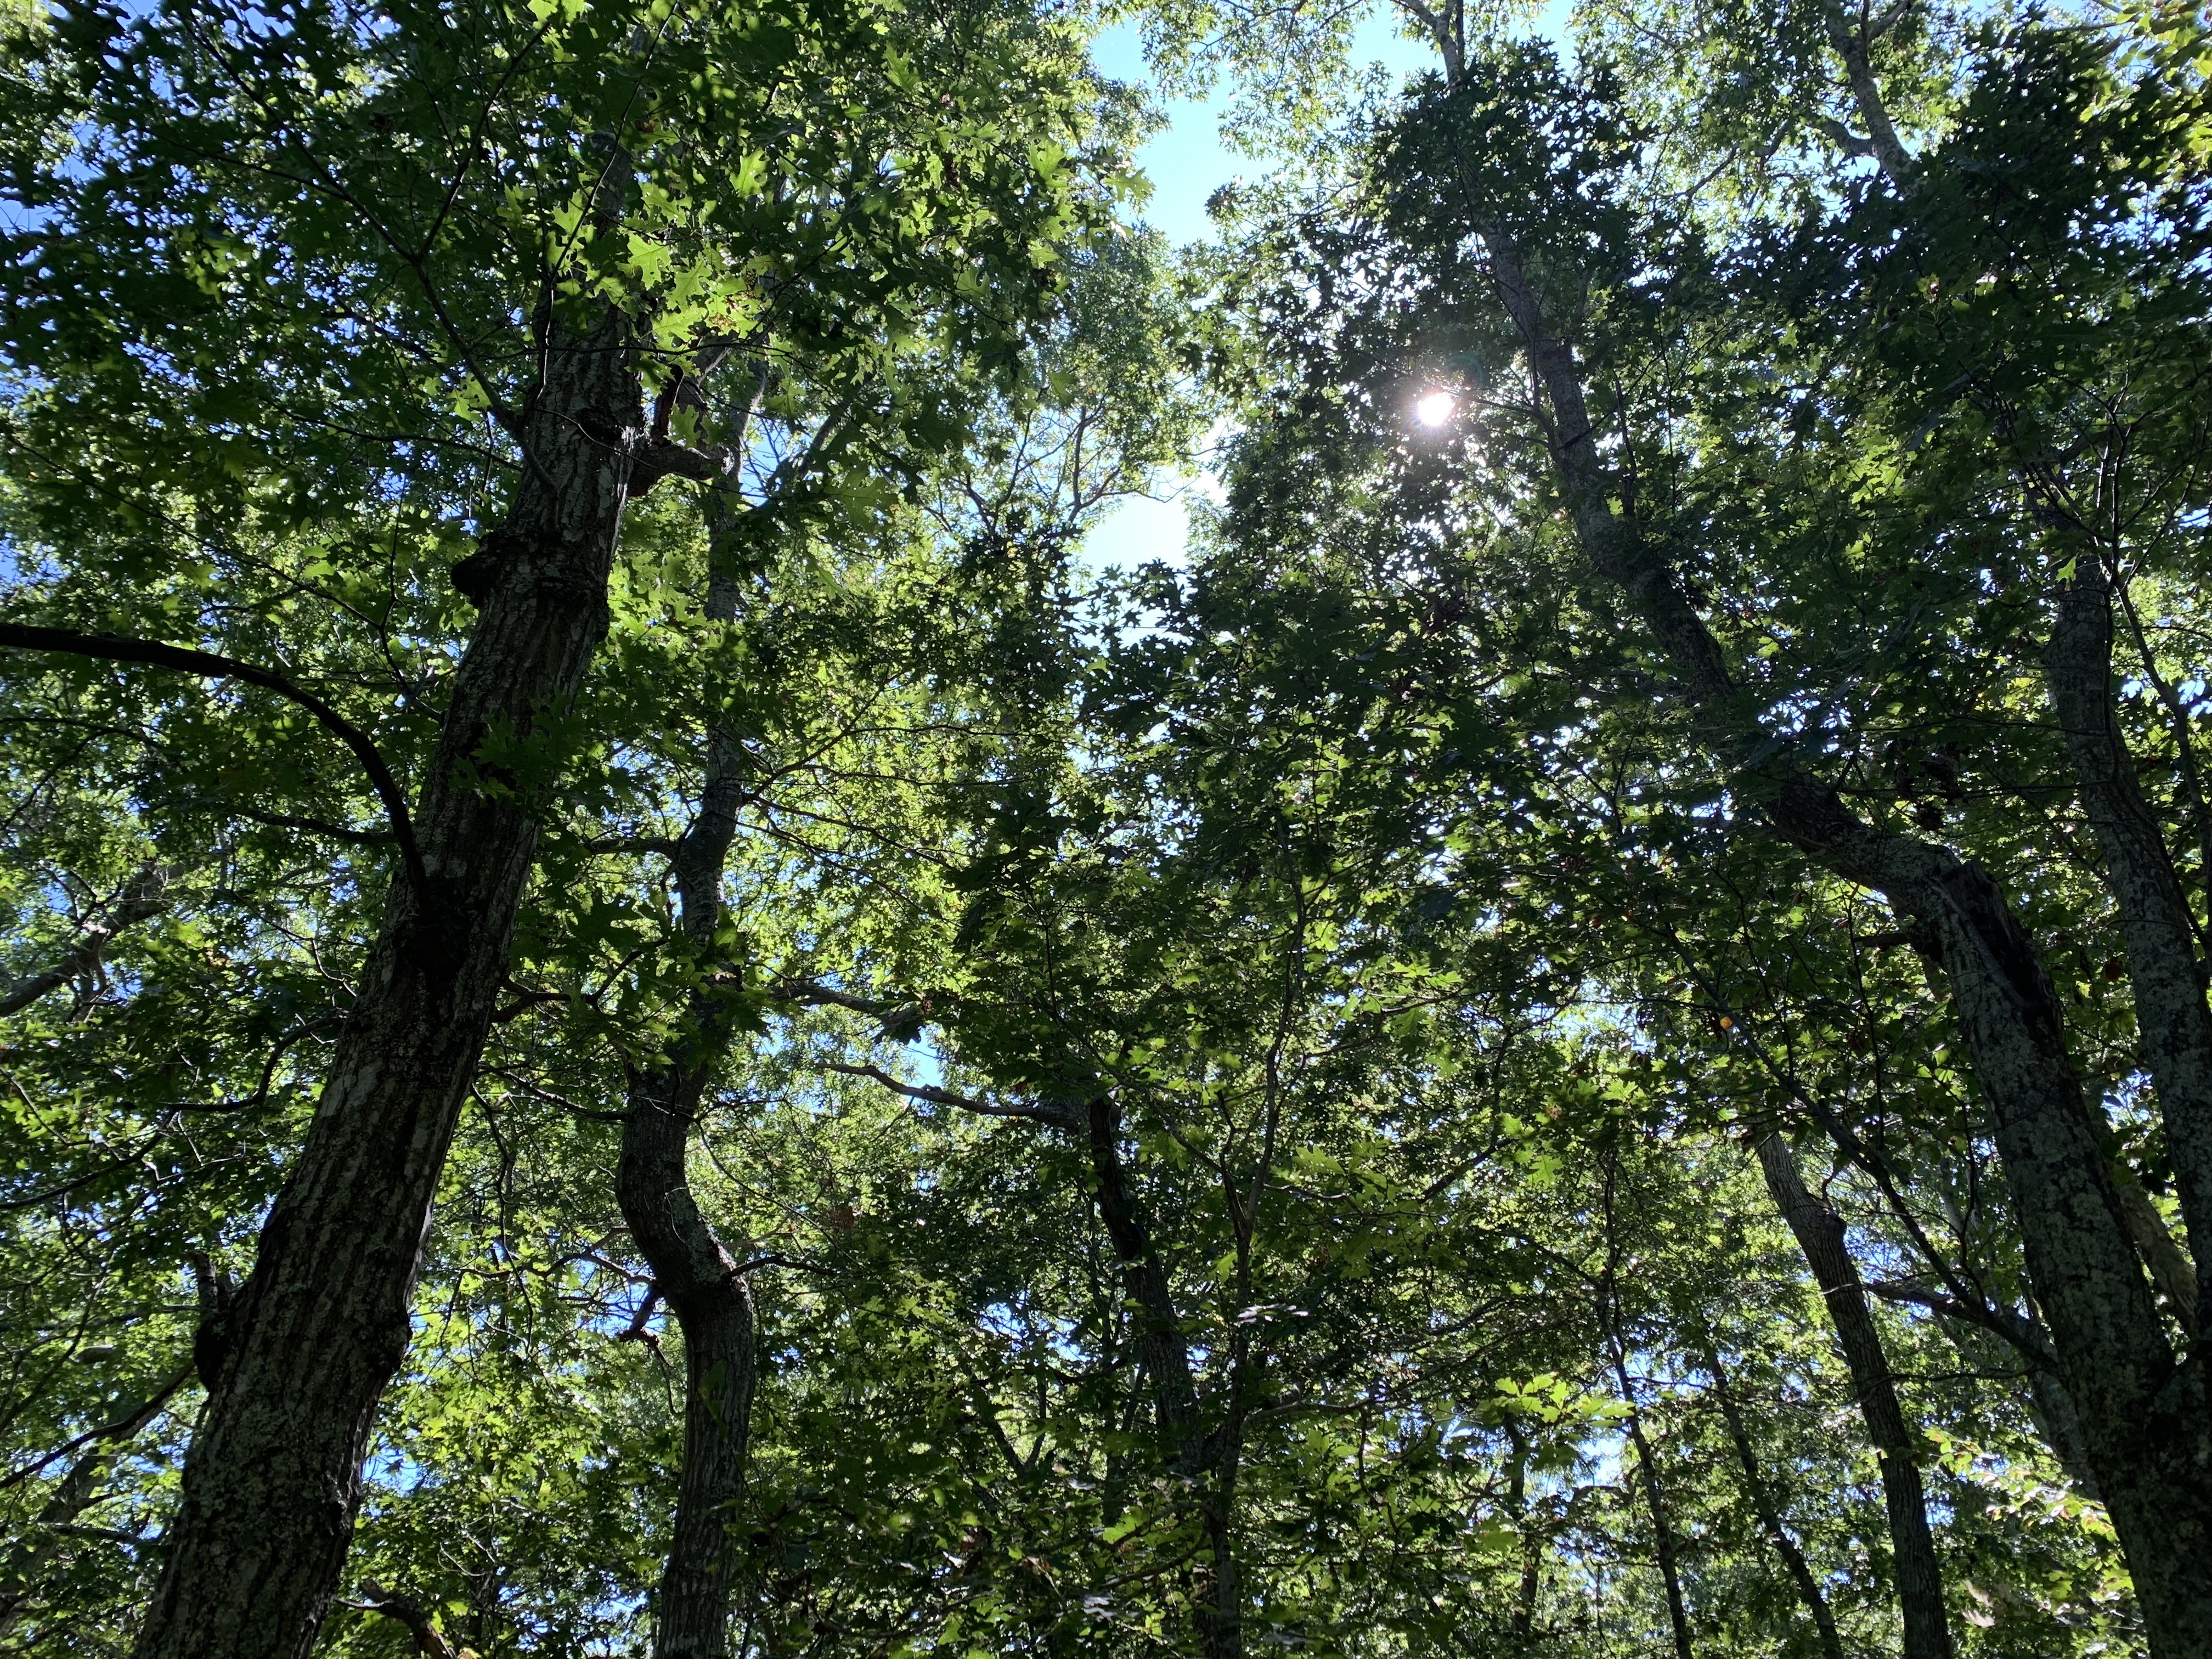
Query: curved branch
420	1623
1062	1114
120	1428
115	647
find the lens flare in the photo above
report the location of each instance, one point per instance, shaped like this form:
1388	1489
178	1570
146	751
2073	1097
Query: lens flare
1434	408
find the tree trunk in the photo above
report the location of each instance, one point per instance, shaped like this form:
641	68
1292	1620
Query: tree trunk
2155	925
2146	1420
1161	1349
1647	1465
692	1271
1663	1529
2171	1015
1769	1512
1819	1234
712	1303
1609	1322
1219	1599
1531	1552
2144	1414
1197	1457
273	1479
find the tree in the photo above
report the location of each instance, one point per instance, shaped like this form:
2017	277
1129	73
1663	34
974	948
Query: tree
1511	206
1352	1090
579	202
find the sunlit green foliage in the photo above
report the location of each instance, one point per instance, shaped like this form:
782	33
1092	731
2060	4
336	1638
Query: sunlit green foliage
1351	894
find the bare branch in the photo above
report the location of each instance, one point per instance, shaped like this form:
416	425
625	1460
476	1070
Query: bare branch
2015	1329
662	458
1843	137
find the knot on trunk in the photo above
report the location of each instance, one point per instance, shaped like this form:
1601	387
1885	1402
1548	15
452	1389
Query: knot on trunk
475	577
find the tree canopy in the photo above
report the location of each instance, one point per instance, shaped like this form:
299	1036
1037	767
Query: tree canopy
643	1014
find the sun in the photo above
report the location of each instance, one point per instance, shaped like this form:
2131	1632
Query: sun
1434	408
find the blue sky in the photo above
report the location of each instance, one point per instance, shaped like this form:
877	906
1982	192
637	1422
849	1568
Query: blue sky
1187	162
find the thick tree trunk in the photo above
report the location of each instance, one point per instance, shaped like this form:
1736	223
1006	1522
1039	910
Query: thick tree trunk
693	1274
254	1553
1819	1234
2171	1015
1763	1505
1208	1463
2144	1413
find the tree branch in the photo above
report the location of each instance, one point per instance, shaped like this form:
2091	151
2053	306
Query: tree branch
663	457
142	897
1843	137
114	647
1061	1114
428	1640
2014	1329
901	1021
312	826
120	1428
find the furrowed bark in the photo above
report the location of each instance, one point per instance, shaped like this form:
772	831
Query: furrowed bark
2144	1413
693	1272
254	1553
2156	928
2059	1421
1763	1505
1818	1232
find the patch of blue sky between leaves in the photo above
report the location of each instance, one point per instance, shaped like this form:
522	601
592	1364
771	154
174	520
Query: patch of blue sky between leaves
1187	160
